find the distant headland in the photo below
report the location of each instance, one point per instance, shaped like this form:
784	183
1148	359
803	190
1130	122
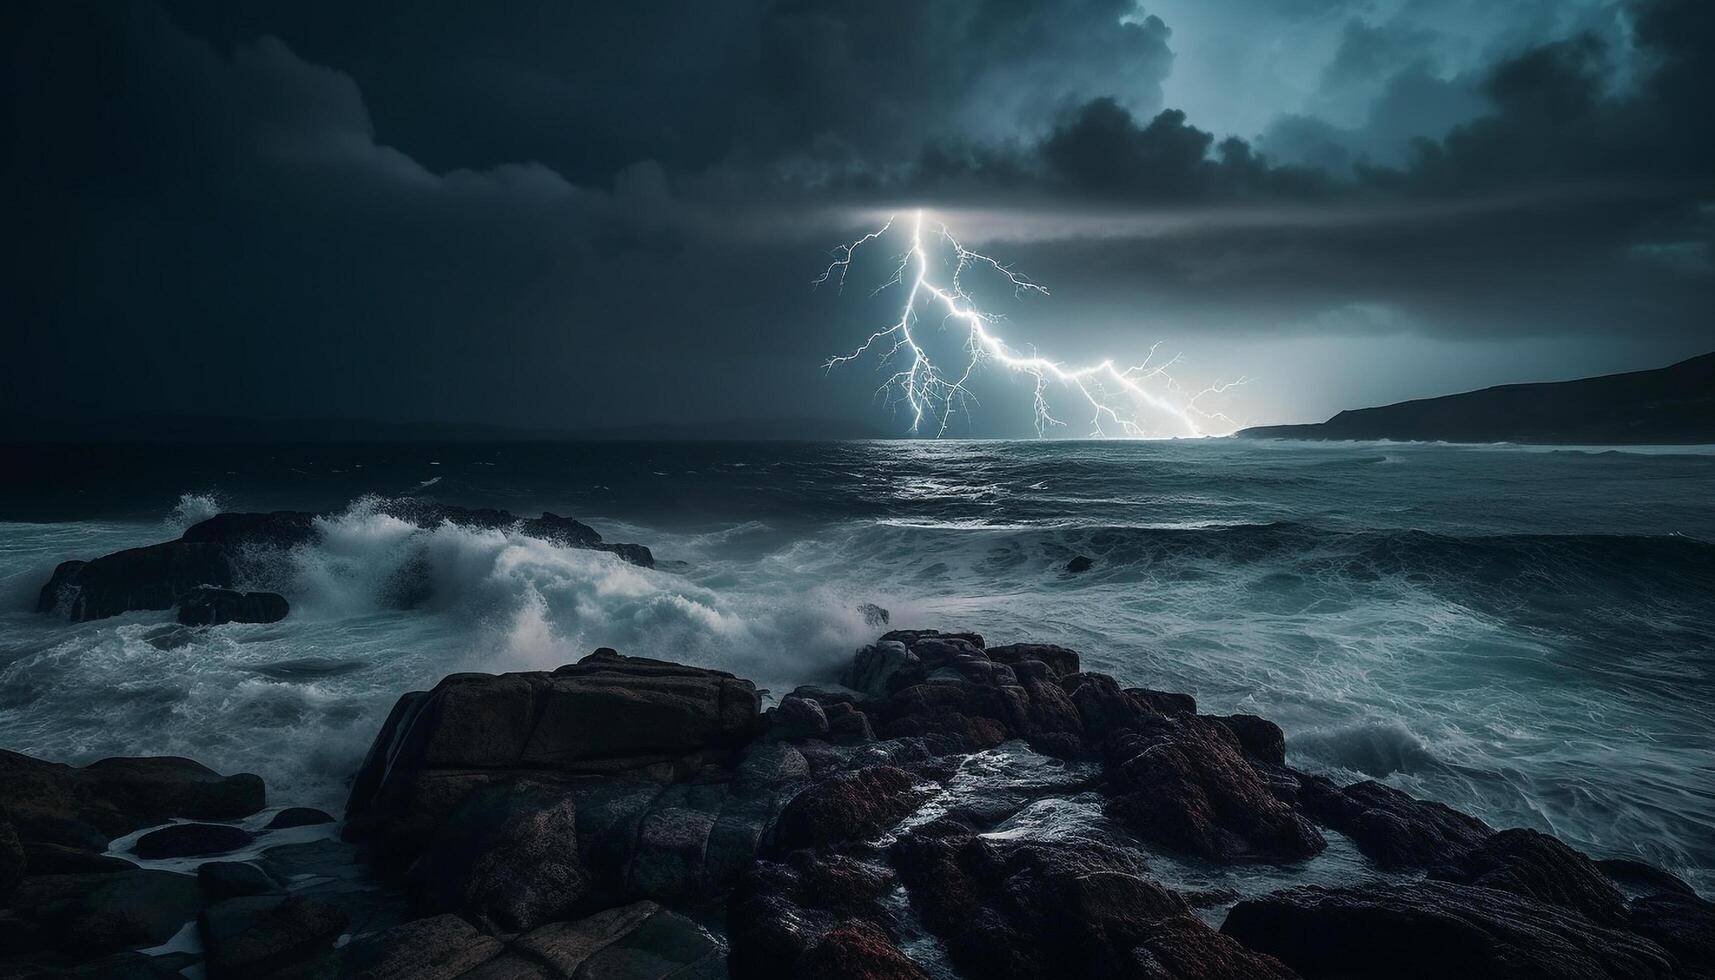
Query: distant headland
1674	405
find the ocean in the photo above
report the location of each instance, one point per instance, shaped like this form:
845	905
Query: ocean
1527	634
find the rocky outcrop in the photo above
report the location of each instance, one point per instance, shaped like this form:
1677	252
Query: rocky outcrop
850	806
89	806
1438	929
198	572
1390	827
1025	909
816	915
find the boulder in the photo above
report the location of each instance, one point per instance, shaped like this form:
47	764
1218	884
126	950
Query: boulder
1261	739
847	725
874	665
298	816
851	806
1184	782
1025	909
873	615
260	935
1392	828
798	717
191	840
44	858
1537	866
101	912
1061	661
1164	702
1103	708
210	606
235	879
439	947
89	806
814	914
1432	929
607	715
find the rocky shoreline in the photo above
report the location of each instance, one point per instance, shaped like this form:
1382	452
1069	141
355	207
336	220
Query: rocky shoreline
622	817
944	808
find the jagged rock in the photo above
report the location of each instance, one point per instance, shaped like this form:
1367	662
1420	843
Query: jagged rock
235	879
1103	708
1261	739
850	806
97	913
874	665
260	935
1537	866
1682	924
211	607
1060	660
847	725
12	860
814	915
799	717
873	615
607	715
1025	909
1436	929
1164	702
191	840
89	806
1390	827
298	816
548	527
1184	782
911	637
1080	563
1640	877
506	859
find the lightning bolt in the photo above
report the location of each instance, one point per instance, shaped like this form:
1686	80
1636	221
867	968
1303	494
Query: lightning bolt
1122	399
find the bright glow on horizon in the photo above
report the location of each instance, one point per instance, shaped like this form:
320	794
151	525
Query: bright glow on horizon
1127	399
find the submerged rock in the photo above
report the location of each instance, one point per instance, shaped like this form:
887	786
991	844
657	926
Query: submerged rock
298	816
191	840
1080	563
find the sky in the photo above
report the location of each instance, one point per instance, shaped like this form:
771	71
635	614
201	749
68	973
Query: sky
564	215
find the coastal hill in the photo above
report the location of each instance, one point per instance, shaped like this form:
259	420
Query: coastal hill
1674	405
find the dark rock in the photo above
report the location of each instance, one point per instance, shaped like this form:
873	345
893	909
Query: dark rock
56	859
1025	909
848	726
212	607
1684	925
1434	929
1392	828
1164	702
1261	739
607	715
12	860
260	935
874	665
1080	563
98	913
436	948
298	816
873	615
278	529
87	807
1061	661
912	637
1102	707
191	840
1184	782
813	915
799	717
235	879
856	805
1537	866
1638	877
507	859
548	527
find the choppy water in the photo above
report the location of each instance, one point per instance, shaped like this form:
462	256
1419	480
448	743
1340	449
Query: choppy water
1528	635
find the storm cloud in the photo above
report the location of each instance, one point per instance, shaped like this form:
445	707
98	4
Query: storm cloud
556	214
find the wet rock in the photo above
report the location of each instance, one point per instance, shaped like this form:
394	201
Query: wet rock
435	948
607	715
798	717
86	807
912	637
191	840
57	859
1261	739
506	859
1682	924
211	607
298	816
1061	661
848	726
1024	909
874	665
1638	877
1390	827
98	913
261	935
1103	708
549	527
850	806
1080	563
1184	782
1164	702
1437	929
813	915
235	879
1537	866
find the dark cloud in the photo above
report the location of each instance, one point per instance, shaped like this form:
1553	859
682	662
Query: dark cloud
565	214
